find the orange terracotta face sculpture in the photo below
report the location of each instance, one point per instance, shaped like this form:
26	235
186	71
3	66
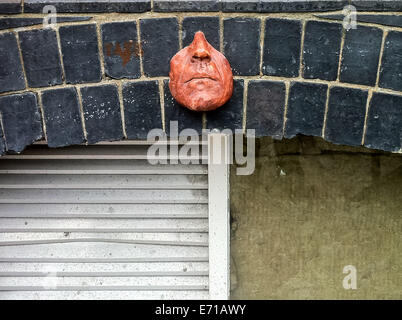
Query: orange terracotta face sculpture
200	76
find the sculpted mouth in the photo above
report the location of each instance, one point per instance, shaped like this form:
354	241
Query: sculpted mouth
201	78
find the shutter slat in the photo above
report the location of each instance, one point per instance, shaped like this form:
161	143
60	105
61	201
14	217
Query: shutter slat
103	274
123	167
101	216
101	225
103	288
99	196
105	152
106	260
108	210
73	267
106	295
100	281
105	240
145	182
187	236
100	249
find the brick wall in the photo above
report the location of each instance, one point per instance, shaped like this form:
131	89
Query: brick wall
101	76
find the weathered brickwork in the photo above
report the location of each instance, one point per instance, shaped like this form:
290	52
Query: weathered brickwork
321	50
142	109
229	116
266	107
10	23
103	78
61	112
11	75
209	25
391	67
21	120
79	47
282	48
345	117
11	6
186	119
160	42
40	54
241	41
138	6
121	51
123	6
181	5
360	56
306	109
102	115
384	122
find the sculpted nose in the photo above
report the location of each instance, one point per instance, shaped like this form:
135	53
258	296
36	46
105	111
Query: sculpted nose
200	48
201	53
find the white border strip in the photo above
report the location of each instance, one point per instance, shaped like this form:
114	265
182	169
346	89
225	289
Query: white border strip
219	216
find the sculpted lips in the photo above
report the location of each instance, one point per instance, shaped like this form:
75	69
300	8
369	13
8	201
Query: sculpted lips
201	77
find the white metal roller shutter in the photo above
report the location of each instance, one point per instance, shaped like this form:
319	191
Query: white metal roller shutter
100	222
